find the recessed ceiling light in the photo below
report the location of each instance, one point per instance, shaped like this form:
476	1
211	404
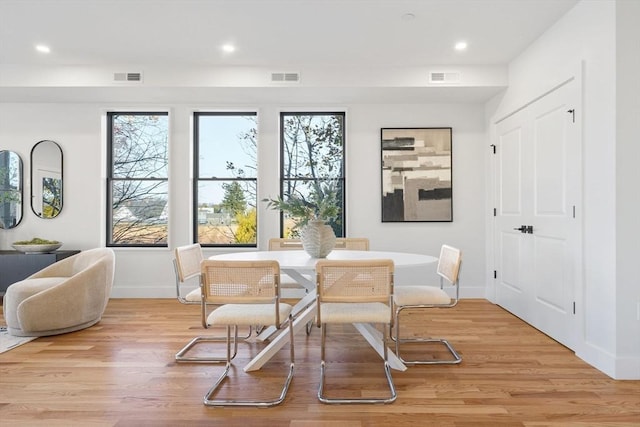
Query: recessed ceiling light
228	48
462	45
43	48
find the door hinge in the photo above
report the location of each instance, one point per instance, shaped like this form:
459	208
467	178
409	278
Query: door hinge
493	146
573	114
495	212
574	211
495	274
574	307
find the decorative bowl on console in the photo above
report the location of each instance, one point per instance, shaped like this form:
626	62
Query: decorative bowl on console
36	246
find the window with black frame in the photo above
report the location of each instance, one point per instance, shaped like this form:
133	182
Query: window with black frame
312	161
225	184
137	178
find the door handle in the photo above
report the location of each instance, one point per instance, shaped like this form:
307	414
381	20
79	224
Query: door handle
525	229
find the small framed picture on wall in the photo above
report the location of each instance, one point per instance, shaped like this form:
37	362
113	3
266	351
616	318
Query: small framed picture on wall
416	174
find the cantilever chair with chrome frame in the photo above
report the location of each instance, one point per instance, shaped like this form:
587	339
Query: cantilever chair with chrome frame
186	266
187	269
249	292
426	297
355	292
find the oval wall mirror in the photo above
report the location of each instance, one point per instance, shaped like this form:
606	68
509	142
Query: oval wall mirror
10	189
46	179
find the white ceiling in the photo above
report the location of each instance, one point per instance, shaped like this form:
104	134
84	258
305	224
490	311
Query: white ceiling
285	35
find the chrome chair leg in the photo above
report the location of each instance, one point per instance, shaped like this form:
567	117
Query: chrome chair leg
181	355
398	340
387	370
208	398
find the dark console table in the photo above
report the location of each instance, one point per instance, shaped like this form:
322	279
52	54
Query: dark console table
16	266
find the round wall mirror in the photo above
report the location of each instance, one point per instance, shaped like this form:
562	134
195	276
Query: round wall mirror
46	179
10	189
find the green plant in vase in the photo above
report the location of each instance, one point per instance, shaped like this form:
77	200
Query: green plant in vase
312	212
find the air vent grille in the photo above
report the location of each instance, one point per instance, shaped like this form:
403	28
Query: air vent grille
285	77
440	77
127	77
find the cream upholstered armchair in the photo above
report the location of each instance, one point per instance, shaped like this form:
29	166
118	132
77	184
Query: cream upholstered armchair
67	296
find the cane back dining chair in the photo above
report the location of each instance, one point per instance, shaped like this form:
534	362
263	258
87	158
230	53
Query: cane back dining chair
187	269
249	292
186	265
426	297
354	292
352	243
283	244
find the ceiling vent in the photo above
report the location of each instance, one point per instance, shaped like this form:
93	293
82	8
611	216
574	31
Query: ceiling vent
285	77
444	77
127	77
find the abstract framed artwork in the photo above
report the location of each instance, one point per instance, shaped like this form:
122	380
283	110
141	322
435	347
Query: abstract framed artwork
416	174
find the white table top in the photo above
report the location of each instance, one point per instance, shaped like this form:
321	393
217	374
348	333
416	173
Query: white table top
300	260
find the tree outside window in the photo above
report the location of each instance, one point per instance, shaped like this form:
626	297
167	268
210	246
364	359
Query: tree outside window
312	157
137	179
225	188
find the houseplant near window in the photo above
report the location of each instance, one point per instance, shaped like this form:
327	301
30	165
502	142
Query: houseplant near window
312	212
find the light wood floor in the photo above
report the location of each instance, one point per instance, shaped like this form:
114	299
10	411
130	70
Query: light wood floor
121	372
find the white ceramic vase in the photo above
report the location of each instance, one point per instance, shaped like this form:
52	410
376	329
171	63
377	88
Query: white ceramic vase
318	239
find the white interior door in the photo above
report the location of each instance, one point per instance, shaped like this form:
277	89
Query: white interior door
537	232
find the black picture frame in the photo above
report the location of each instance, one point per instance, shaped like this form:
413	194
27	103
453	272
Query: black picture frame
416	174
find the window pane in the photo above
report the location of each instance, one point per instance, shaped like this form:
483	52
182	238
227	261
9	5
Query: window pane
137	179
312	154
302	188
226	186
313	145
227	146
139	145
226	212
139	212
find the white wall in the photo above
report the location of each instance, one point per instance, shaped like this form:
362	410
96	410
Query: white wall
627	179
78	128
586	38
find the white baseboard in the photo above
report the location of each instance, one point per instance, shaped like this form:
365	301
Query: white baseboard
618	368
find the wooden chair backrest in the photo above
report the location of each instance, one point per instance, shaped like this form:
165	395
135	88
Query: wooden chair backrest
352	243
280	244
449	263
355	281
242	282
188	260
